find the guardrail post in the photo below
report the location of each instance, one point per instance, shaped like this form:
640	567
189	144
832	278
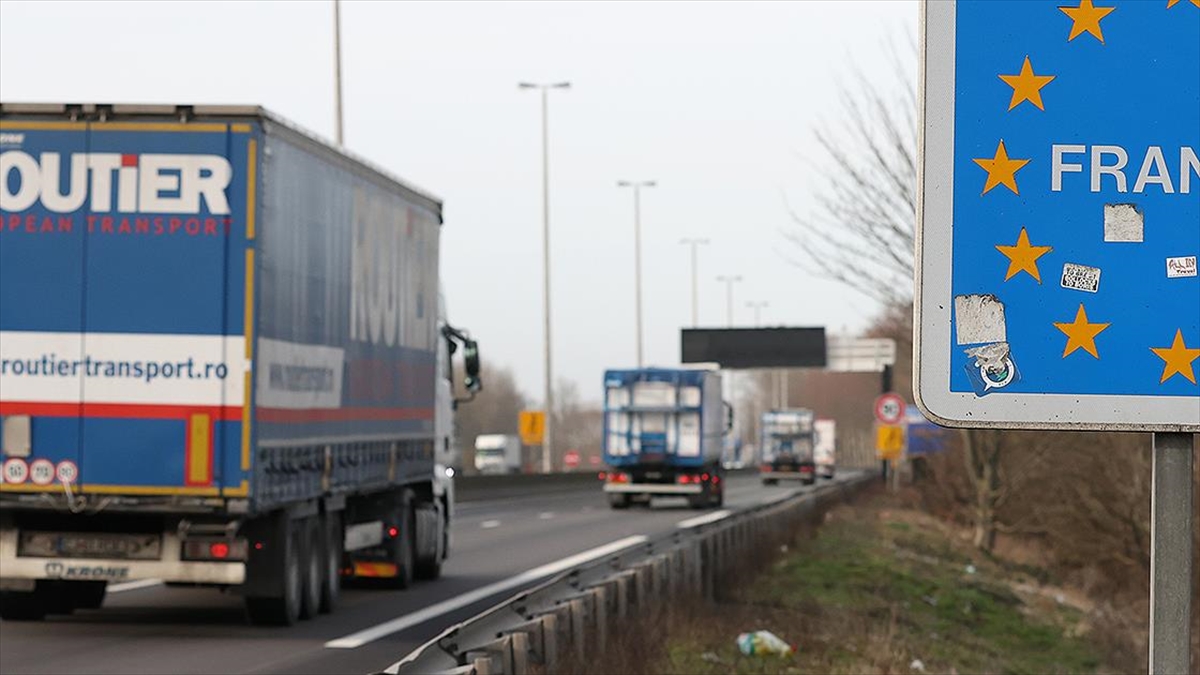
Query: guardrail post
600	617
578	611
549	653
520	653
623	590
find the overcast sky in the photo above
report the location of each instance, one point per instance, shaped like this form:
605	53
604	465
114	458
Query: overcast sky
715	101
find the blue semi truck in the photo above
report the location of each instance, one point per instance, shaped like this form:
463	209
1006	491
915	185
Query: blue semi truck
664	432
224	361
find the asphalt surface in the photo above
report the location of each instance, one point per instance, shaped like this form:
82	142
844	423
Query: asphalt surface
156	629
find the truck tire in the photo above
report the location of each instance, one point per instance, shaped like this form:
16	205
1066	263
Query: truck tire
333	544
23	605
618	500
402	552
313	563
770	481
284	610
88	594
429	567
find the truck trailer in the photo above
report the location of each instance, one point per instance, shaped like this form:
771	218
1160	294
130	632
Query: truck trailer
663	435
788	444
224	361
825	453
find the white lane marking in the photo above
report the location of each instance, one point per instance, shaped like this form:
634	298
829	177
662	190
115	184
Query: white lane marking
705	519
362	637
489	524
545	515
134	585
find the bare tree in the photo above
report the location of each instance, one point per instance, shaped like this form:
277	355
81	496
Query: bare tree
859	229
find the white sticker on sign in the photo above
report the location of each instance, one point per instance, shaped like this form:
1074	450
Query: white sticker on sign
16	471
1181	267
66	471
1081	277
41	472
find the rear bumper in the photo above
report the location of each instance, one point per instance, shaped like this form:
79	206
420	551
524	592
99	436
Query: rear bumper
169	568
787	475
653	488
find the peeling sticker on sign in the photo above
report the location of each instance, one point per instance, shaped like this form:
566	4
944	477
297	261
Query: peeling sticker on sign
1181	267
1123	223
979	319
991	367
1081	277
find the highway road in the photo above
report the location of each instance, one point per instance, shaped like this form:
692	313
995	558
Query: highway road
500	547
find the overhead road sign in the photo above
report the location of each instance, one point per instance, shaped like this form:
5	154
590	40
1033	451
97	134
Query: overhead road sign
844	354
755	347
1059	217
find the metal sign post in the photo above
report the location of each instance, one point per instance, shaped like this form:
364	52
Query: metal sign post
1173	507
1058	232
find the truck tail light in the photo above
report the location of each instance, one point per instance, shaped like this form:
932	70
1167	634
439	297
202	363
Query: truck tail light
618	478
205	548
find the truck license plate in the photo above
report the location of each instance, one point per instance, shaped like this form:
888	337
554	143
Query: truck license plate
90	545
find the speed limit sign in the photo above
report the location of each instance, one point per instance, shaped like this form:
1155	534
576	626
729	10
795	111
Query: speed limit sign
889	408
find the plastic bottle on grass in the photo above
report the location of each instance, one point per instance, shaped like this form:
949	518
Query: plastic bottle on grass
763	643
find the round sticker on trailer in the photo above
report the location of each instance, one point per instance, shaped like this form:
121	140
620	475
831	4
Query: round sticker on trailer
41	472
16	471
66	471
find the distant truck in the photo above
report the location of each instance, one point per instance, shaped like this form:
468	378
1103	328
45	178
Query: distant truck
497	454
826	450
224	361
788	444
663	435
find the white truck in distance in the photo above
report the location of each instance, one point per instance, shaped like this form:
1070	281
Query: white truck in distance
497	454
826	447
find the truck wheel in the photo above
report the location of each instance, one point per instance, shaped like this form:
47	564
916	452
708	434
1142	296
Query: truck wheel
770	481
402	553
429	568
285	610
699	501
88	594
618	500
23	605
314	559
332	545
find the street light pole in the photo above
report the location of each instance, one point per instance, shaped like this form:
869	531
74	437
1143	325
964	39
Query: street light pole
637	254
337	70
729	282
547	444
758	307
693	242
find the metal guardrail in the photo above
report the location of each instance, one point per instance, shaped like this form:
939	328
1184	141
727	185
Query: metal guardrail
570	616
478	488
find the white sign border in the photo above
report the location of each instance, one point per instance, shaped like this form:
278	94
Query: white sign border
933	302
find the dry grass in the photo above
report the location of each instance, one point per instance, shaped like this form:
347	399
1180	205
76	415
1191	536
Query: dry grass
879	586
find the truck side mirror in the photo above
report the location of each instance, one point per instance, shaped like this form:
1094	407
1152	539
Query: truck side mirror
471	363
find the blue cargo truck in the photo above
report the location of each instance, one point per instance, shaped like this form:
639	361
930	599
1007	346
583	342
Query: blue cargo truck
664	430
224	361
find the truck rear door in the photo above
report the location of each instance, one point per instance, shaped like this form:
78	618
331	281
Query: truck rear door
155	223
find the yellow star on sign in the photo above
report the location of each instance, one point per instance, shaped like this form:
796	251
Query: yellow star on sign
1022	257
1179	359
1086	19
1081	334
1172	3
1027	86
1001	170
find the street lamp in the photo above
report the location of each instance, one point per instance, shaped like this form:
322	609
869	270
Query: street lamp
637	253
337	70
729	282
693	243
547	447
758	307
